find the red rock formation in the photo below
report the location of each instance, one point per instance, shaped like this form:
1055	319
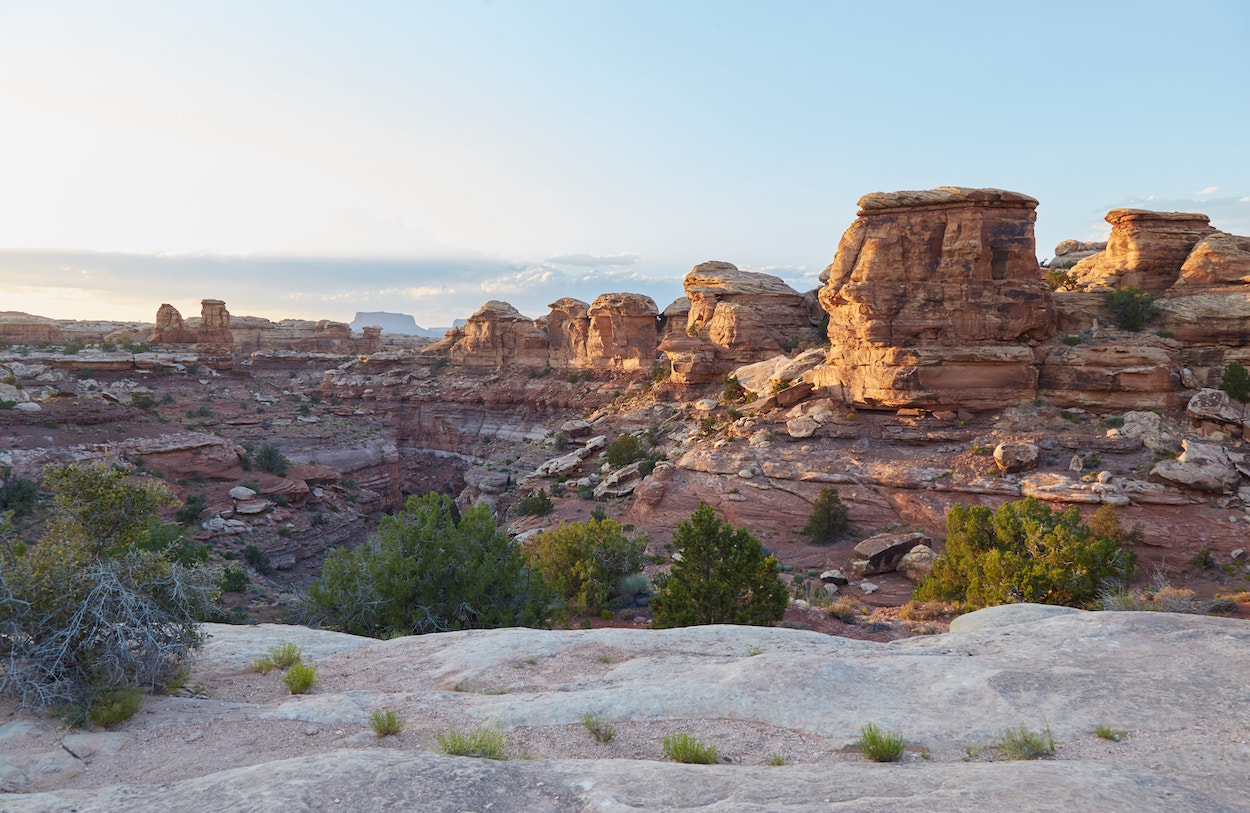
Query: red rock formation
568	328
1217	259
623	331
1145	250
22	328
933	299
370	340
733	317
170	329
497	334
213	335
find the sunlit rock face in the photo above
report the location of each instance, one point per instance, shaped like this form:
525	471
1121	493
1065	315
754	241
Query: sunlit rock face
1145	250
568	327
935	298
169	327
498	334
623	331
734	317
213	334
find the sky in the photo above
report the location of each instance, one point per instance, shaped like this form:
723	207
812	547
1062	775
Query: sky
314	159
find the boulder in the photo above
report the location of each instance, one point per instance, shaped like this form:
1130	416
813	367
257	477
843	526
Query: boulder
933	298
1070	252
1015	457
1145	250
1201	467
242	493
1217	259
883	552
1210	404
917	563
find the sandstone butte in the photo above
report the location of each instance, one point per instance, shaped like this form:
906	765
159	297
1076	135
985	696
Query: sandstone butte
945	358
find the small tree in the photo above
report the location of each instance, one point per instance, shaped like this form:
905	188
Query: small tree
1236	382
1131	307
270	458
103	601
720	575
829	518
584	562
624	450
428	569
1025	552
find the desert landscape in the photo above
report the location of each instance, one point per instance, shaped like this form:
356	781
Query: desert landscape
938	364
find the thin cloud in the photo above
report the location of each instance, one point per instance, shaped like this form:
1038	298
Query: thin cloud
520	281
590	260
1210	190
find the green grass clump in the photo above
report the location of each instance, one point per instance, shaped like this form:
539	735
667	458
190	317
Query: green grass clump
115	707
1021	743
684	748
601	728
286	655
1109	733
880	746
300	678
776	759
264	665
386	722
485	742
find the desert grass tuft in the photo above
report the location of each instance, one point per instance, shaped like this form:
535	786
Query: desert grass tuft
880	746
386	722
599	727
682	747
299	678
484	742
1106	732
1021	743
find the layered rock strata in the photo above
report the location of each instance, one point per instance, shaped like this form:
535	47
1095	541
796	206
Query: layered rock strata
623	331
935	298
498	334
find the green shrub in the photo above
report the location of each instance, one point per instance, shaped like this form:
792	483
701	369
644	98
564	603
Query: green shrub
624	450
191	510
776	759
386	722
269	458
1236	382
233	580
602	730
720	575
1106	732
682	747
485	742
828	519
299	678
1027	552
17	494
428	569
263	665
537	504
1021	743
115	707
585	563
87	609
257	558
285	655
1072	341
1060	278
732	392
1131	307
879	746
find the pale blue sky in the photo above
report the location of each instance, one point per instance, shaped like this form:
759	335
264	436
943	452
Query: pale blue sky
424	157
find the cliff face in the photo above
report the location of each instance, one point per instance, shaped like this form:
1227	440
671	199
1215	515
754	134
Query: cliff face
935	298
1145	250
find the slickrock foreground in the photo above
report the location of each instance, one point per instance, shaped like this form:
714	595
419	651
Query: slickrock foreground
1174	683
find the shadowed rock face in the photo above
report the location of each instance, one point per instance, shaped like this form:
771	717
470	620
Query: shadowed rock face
933	298
568	327
1145	250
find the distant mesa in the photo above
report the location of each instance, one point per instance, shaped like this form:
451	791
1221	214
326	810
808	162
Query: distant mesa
401	324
